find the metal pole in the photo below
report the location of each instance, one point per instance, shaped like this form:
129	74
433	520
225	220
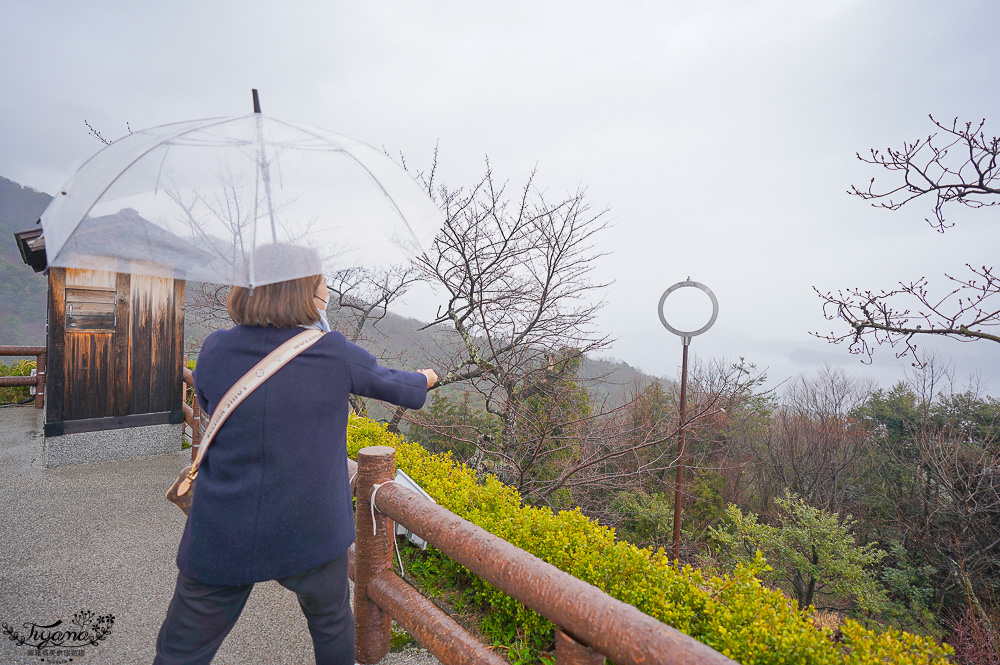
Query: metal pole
678	494
685	336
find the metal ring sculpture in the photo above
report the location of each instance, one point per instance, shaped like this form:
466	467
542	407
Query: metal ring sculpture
687	335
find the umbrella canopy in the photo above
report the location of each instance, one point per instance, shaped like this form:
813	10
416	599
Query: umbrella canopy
194	200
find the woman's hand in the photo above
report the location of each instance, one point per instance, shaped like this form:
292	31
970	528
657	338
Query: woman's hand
431	375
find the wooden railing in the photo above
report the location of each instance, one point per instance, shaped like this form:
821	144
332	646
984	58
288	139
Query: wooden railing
38	381
591	625
192	412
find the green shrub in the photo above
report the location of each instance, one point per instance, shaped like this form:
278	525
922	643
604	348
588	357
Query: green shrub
14	394
812	552
735	614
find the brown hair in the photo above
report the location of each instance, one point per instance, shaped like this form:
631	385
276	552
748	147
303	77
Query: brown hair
279	305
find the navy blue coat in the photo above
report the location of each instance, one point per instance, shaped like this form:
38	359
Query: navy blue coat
272	498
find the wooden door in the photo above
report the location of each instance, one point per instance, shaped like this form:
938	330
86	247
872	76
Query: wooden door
115	350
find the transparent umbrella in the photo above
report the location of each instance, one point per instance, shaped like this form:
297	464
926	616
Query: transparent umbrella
194	200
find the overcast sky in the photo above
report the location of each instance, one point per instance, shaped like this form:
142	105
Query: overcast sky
719	134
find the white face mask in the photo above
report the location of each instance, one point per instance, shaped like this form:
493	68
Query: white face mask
324	323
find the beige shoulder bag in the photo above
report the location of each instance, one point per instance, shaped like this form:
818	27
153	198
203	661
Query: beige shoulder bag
182	491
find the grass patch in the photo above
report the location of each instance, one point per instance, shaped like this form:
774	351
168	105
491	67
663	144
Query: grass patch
16	394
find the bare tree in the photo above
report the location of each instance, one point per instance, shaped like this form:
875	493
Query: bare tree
831	393
205	310
91	131
361	297
968	310
958	164
811	445
960	463
515	275
814	458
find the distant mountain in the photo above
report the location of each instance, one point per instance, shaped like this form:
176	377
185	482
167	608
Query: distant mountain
396	337
615	380
22	291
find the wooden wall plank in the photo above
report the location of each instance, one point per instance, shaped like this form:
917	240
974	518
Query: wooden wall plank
91	321
161	372
55	379
76	277
78	387
100	376
141	342
90	294
177	352
121	351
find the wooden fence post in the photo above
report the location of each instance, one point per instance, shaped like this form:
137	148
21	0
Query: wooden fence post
40	374
373	554
192	414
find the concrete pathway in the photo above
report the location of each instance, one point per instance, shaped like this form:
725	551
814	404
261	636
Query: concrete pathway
101	538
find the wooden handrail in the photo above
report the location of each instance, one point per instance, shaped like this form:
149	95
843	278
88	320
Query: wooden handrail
192	413
592	623
41	355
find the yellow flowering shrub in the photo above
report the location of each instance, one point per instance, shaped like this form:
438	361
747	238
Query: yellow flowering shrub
870	647
734	614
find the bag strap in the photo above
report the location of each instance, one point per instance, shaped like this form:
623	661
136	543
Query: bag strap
257	375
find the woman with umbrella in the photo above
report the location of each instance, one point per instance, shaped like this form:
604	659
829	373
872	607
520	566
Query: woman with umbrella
251	201
274	498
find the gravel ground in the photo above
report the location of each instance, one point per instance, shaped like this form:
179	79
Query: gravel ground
101	538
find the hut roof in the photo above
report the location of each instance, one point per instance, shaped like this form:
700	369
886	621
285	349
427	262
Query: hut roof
31	244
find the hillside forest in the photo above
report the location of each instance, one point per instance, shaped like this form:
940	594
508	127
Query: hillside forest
878	504
22	292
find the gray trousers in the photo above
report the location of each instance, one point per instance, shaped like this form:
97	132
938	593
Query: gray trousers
201	615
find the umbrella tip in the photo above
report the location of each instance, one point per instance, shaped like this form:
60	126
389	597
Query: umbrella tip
256	101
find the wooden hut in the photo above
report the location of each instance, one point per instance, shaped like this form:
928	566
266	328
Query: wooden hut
115	361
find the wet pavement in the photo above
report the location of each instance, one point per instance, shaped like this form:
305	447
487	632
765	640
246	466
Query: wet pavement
100	538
